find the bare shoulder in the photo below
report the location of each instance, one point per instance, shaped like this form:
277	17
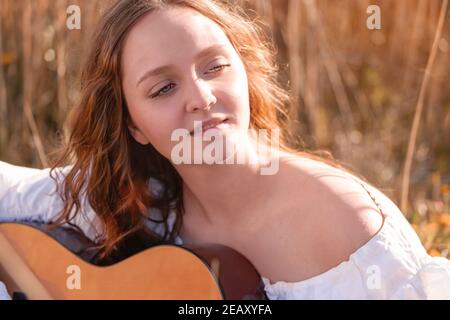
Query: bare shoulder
330	216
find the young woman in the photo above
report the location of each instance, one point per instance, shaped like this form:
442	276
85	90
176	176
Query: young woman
311	228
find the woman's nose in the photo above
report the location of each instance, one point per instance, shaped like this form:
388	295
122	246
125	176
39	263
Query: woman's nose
200	96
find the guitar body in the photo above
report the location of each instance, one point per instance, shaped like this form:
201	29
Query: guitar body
35	264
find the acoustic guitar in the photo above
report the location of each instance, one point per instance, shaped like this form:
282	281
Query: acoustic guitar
36	264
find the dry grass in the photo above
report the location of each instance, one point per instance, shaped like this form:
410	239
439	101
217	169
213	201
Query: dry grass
357	90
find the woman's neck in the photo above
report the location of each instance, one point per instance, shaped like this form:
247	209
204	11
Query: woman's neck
221	194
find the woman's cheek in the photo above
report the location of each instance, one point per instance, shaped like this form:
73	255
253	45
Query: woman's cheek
163	140
237	84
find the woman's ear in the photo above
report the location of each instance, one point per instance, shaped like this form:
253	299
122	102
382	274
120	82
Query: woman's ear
137	134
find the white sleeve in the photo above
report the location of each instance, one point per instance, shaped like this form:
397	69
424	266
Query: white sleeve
3	293
28	194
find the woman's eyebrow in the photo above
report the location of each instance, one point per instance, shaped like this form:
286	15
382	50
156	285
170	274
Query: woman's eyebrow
166	68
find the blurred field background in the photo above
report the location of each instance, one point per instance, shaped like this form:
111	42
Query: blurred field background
357	90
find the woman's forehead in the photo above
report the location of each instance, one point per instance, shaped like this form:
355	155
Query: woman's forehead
174	29
166	35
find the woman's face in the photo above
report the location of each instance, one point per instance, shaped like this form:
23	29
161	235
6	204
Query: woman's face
199	76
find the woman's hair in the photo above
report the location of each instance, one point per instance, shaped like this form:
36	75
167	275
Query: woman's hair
110	167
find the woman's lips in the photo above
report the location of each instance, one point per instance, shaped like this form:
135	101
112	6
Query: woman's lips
211	124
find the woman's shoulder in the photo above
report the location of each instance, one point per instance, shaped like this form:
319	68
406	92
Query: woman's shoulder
331	213
325	189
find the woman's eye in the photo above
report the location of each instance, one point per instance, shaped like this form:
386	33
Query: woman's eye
219	67
162	91
166	88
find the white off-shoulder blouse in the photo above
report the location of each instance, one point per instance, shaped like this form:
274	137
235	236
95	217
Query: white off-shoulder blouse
391	265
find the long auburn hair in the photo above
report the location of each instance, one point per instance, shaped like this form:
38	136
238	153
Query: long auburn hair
110	168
